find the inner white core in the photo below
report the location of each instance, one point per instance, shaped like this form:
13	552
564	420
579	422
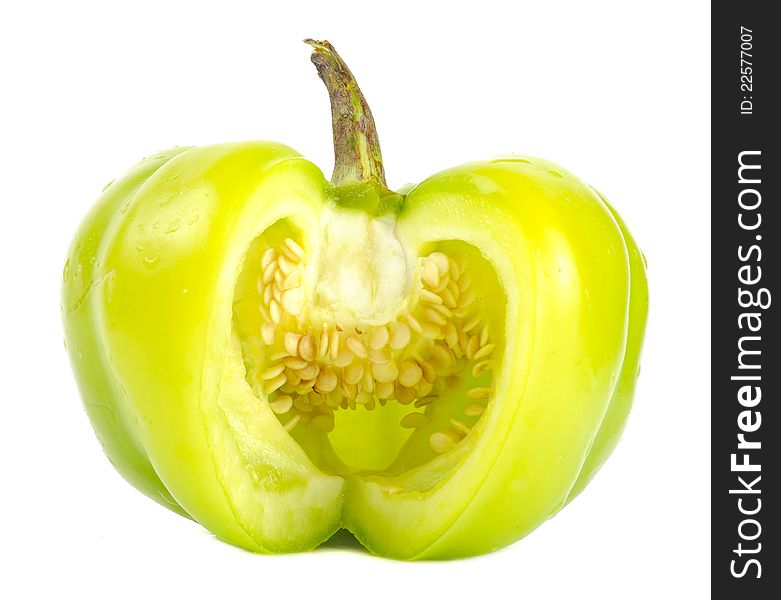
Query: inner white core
361	272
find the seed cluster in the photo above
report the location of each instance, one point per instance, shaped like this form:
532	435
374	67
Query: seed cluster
317	369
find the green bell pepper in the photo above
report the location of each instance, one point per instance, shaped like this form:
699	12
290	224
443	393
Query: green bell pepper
201	402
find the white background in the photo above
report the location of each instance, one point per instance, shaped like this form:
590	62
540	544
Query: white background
617	92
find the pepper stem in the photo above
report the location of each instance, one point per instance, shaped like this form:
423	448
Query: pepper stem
357	154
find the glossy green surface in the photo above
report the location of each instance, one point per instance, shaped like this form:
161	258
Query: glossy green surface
148	300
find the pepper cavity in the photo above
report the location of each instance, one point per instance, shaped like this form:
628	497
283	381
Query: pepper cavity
416	359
